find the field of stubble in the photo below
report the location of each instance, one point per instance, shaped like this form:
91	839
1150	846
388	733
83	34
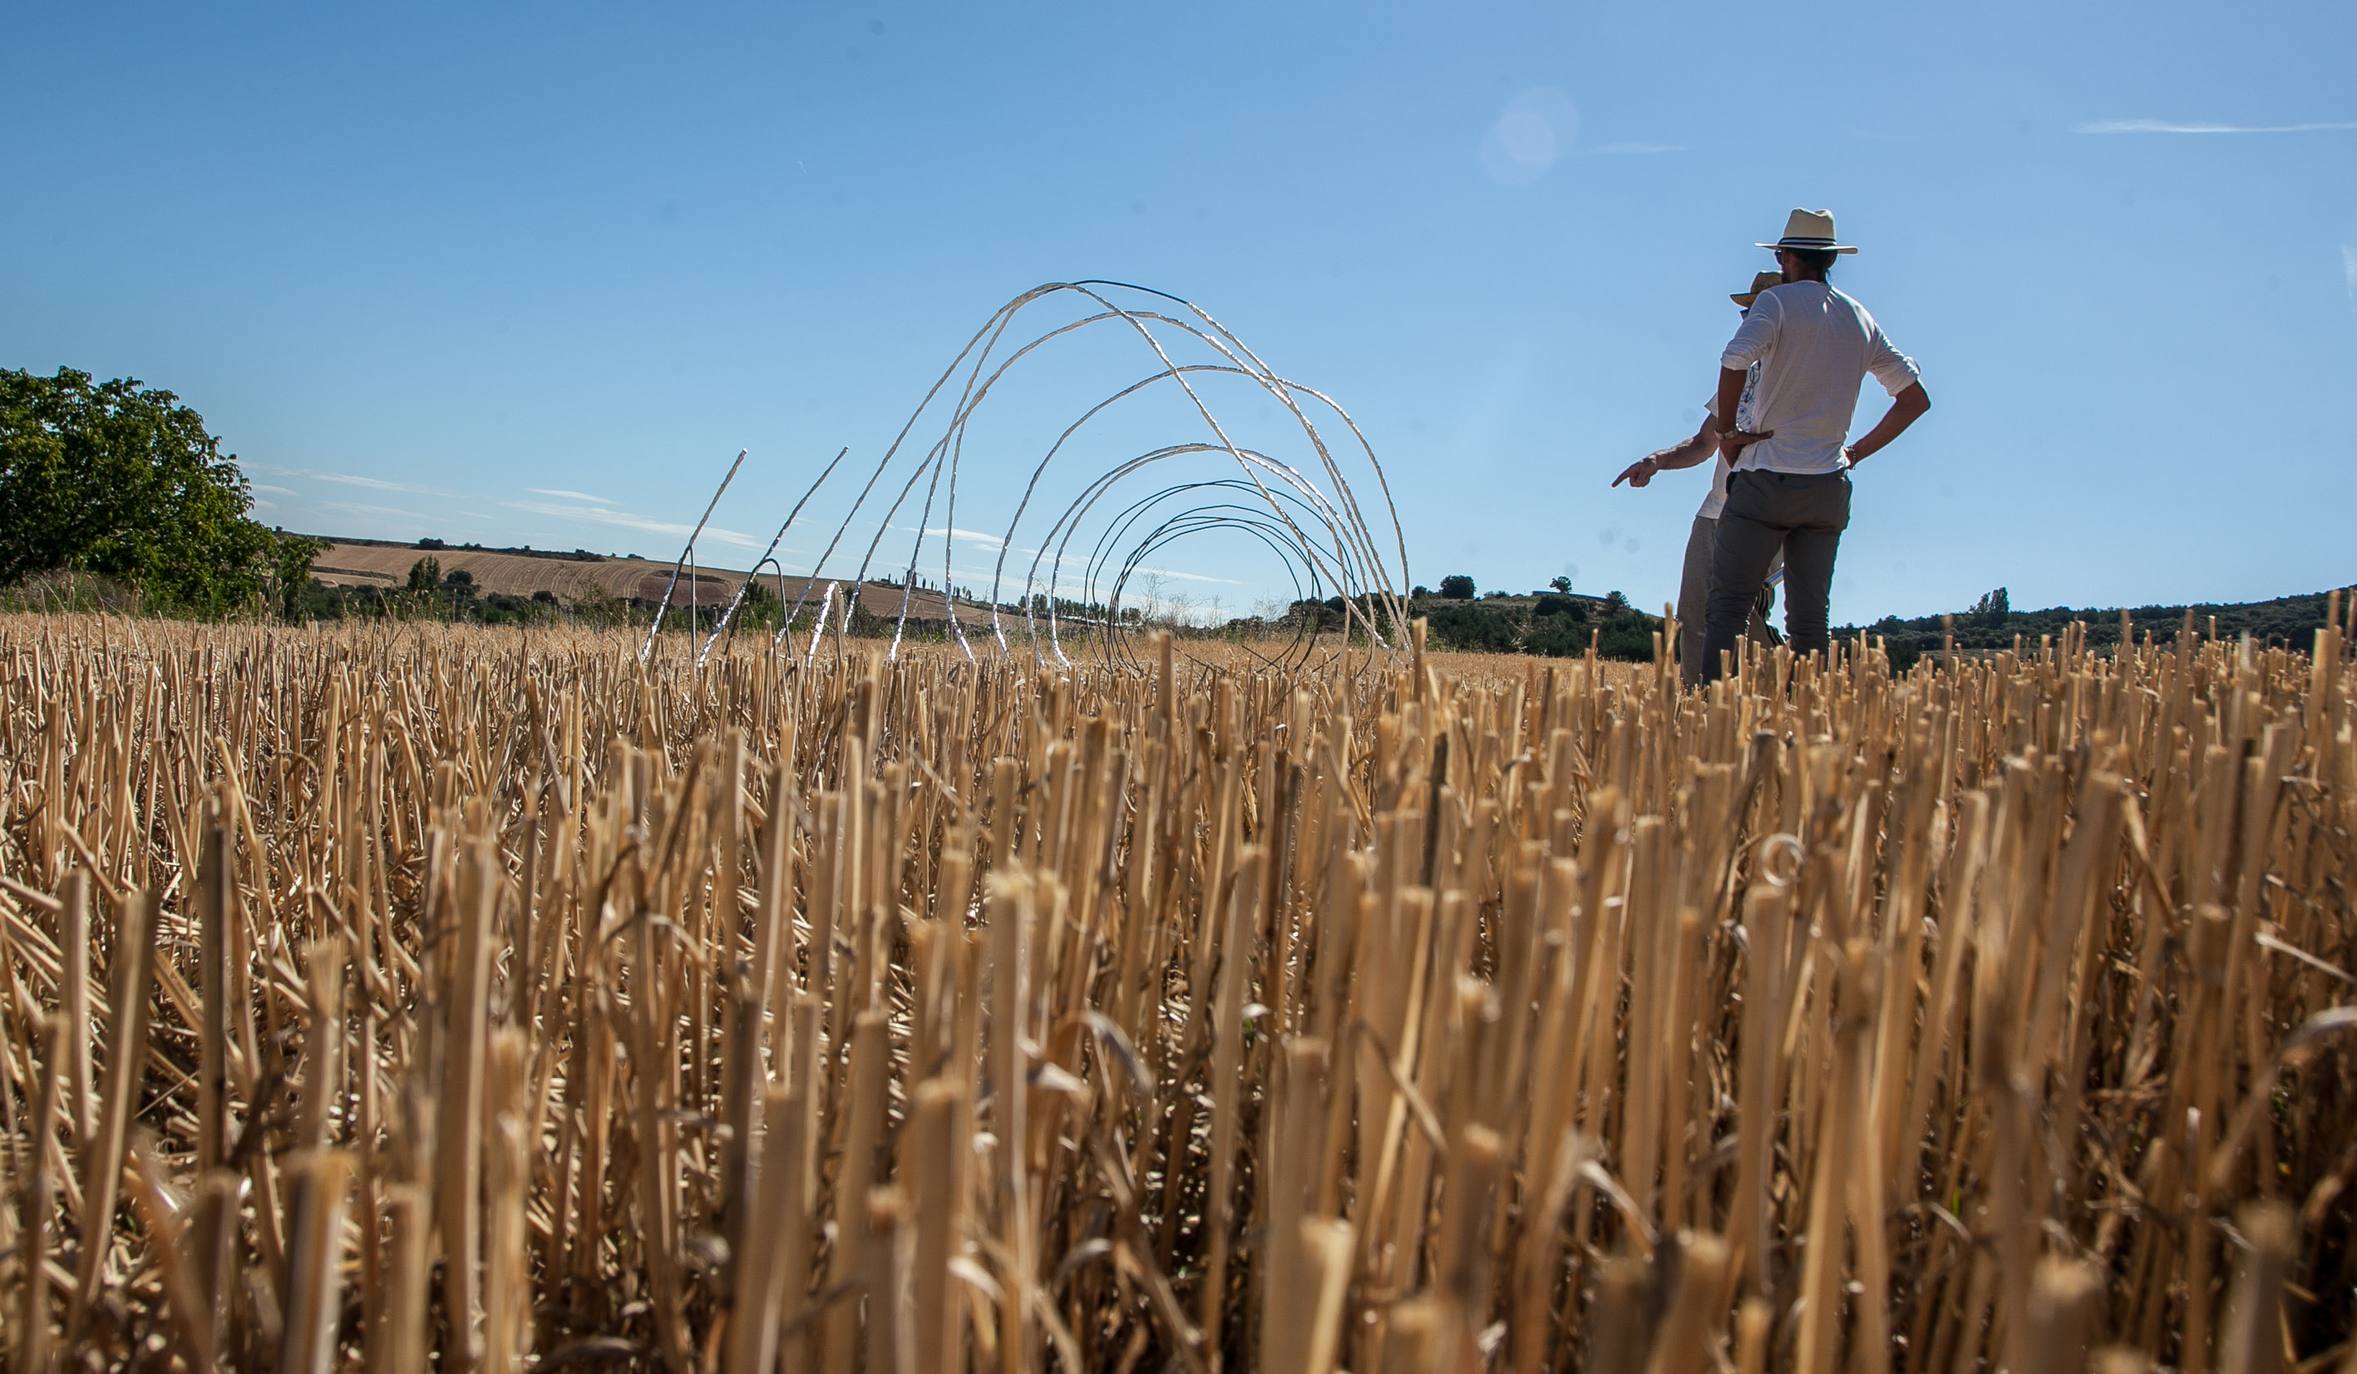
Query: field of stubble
407	999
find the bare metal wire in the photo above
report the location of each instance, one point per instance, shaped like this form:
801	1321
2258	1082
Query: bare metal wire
1311	521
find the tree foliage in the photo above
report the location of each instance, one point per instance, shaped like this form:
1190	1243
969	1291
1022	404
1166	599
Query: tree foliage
121	479
1549	626
1457	587
290	571
2291	621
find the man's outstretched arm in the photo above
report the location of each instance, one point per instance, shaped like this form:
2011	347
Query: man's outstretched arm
1906	408
1676	456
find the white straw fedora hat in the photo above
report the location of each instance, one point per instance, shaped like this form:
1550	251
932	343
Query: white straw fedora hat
1810	229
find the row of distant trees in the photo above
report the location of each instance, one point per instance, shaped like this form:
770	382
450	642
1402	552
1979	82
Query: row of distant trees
1990	623
1460	587
1552	622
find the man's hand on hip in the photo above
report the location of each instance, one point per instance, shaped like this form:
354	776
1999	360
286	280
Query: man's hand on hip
1731	446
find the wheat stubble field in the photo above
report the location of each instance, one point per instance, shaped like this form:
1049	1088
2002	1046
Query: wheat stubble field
420	998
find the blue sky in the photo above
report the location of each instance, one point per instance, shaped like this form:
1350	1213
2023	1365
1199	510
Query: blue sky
533	274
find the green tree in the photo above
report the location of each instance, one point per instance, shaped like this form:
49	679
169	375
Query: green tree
1457	587
1561	584
425	575
121	479
459	585
290	571
1992	608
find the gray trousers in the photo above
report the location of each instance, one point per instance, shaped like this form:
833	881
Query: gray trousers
1694	600
1801	515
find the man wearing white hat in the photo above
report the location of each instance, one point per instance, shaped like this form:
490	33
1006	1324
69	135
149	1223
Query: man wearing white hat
1702	540
1790	491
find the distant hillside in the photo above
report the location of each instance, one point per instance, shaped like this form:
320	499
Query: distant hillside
2287	620
1557	625
1547	624
515	572
581	578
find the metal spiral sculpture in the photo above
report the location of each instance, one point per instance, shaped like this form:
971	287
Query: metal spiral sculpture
1311	521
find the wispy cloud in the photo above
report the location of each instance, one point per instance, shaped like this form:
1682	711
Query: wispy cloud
364	508
564	494
1632	149
1019	555
274	491
988	541
1019	558
978	579
353	479
1191	577
602	515
1016	571
2178	126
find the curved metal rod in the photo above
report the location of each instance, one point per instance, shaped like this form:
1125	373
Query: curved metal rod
1381	480
1195	520
1121	523
1106	618
818	627
996	329
774	540
1201	514
1312	556
886	461
1352	528
1206	516
952	444
647	649
1284	397
1068	522
1353	559
1362	538
751	577
1275	385
1179	528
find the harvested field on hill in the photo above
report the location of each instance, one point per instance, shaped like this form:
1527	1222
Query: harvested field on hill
403	997
576	580
518	574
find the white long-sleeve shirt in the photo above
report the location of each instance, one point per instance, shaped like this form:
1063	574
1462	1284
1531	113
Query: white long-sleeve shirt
1813	345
